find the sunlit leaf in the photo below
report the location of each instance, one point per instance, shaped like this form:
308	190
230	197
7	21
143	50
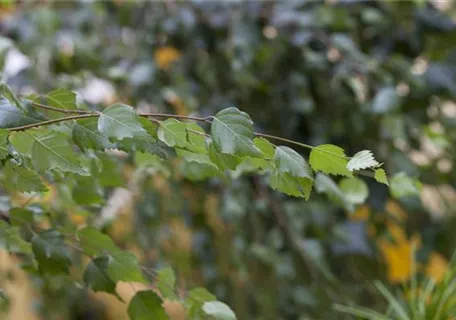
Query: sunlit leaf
62	99
380	176
329	159
218	310
166	281
124	266
362	160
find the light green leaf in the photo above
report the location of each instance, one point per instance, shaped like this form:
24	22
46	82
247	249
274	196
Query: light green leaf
95	243
11	240
232	133
120	121
20	216
86	135
196	138
4	143
50	252
22	141
195	171
380	176
51	150
195	157
401	185
324	184
329	159
152	161
267	148
355	190
166	281
362	160
289	161
62	99
173	133
218	310
146	305
96	277
194	303
123	266
19	178
222	160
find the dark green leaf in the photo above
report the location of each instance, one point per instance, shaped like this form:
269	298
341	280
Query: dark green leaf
87	191
146	305
86	135
11	240
20	216
96	277
50	252
222	160
289	161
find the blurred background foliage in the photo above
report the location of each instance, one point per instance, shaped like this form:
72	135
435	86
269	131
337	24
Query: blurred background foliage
376	75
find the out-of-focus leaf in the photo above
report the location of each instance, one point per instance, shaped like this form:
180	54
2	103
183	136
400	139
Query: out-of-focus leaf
51	252
355	190
166	281
386	100
21	179
218	310
401	185
11	240
146	305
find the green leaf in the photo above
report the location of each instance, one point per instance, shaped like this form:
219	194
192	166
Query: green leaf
289	161
19	178
120	121
10	116
6	91
22	141
11	240
267	148
329	159
198	171
292	186
51	150
191	156
123	266
232	133
218	310
4	143
166	282
324	184
355	190
96	277
62	99
194	303
173	133
110	174
362	160
402	185
222	160
380	176
86	135
50	252
20	216
152	161
146	305
95	243
87	191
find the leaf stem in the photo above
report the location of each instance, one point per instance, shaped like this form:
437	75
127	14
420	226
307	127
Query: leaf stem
43	106
283	139
53	121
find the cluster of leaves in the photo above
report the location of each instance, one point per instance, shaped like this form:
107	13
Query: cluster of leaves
36	146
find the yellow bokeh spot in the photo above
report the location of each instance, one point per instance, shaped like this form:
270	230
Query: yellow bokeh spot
362	213
437	266
164	56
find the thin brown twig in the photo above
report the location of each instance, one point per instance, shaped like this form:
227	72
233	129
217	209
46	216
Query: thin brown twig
53	121
43	106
